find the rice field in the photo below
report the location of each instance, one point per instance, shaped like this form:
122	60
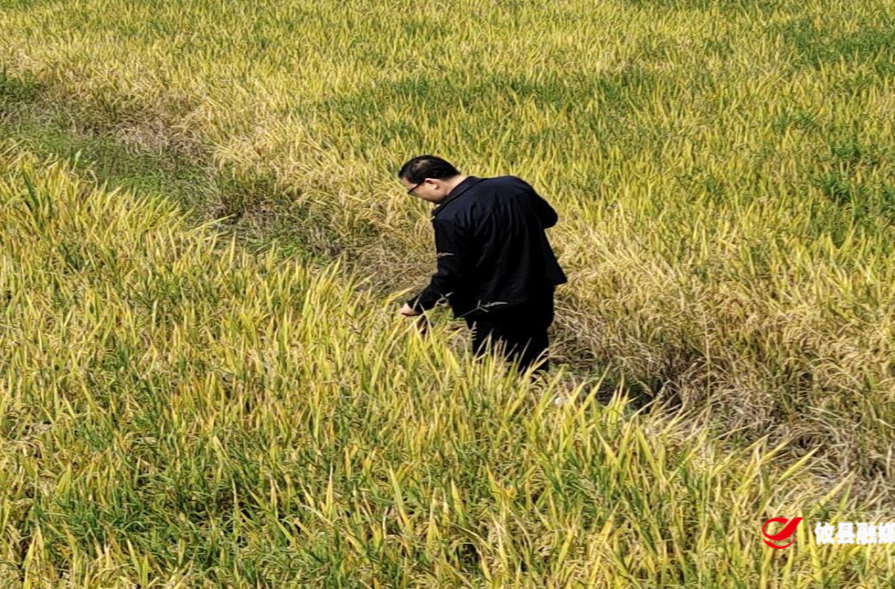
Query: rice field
203	379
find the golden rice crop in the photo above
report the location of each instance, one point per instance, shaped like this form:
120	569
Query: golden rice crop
723	169
723	173
176	412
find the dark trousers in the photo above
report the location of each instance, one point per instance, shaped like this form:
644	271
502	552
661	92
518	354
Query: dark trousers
518	332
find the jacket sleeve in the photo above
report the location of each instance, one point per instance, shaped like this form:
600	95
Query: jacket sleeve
452	275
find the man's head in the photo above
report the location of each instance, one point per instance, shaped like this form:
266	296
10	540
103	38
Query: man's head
429	178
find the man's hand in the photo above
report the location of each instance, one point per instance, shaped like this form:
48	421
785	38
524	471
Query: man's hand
422	323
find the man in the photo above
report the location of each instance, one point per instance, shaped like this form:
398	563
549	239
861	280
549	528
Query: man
495	265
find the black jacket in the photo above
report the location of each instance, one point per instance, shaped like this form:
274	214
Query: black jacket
492	250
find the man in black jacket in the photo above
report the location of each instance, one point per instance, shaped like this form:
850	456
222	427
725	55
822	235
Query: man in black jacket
495	265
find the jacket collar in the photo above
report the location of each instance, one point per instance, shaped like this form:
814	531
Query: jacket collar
458	191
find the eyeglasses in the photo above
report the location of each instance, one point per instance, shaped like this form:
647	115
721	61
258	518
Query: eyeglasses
415	187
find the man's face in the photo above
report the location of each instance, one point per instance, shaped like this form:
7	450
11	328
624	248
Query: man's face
430	189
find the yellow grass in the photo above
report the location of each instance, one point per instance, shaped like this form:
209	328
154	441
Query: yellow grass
178	413
723	173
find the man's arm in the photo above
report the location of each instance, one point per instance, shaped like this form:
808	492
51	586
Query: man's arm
451	246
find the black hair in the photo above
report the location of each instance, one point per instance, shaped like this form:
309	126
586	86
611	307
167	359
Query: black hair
426	166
